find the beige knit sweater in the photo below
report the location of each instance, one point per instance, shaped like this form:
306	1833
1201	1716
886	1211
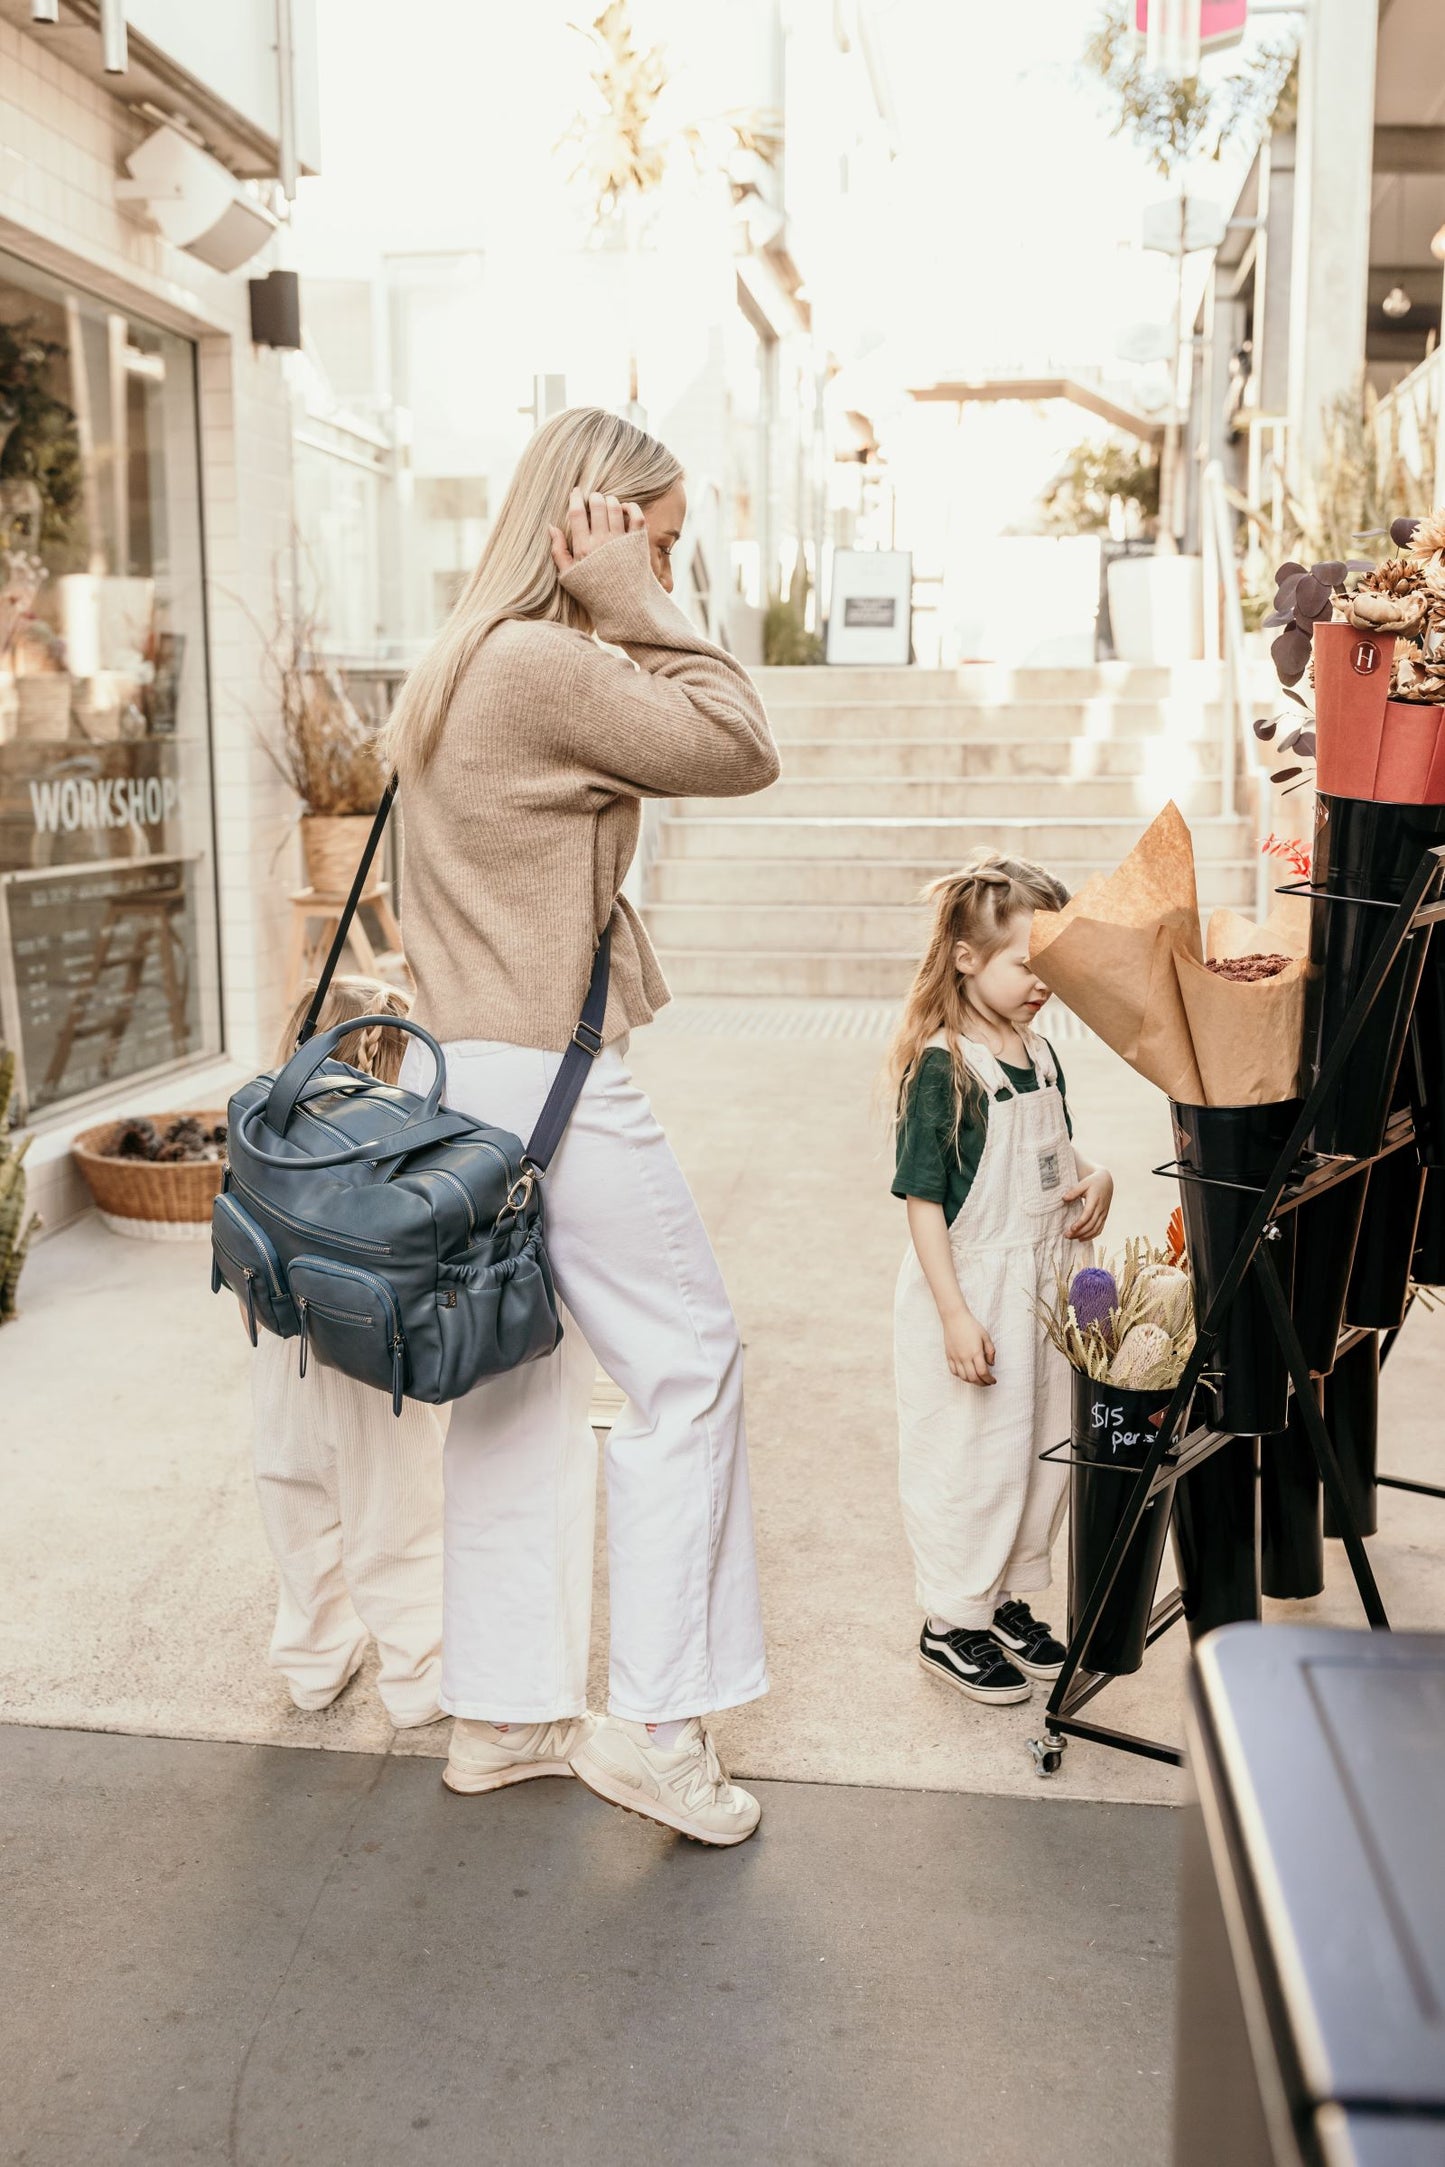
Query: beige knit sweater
519	831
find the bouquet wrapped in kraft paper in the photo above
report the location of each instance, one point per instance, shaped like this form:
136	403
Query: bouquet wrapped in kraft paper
1213	1022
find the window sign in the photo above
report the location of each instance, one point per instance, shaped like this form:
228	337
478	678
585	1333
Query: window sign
108	959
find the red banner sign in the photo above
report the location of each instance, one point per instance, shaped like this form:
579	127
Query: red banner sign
1221	22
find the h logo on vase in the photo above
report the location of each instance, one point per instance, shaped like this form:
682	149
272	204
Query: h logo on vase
1365	658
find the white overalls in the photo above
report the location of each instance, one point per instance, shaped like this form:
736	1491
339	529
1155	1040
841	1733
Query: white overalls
980	1508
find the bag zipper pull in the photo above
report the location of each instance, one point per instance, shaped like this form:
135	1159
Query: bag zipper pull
397	1352
217	1282
302	1305
251	1305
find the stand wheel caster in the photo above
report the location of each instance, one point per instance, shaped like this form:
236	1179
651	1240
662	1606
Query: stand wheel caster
1048	1752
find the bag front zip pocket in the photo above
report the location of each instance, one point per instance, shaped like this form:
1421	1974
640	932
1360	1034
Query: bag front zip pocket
353	1320
308	1226
244	1259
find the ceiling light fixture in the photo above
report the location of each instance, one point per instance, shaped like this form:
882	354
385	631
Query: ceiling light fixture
1397	303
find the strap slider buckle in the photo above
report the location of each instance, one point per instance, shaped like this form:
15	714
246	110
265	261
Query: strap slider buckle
585	1035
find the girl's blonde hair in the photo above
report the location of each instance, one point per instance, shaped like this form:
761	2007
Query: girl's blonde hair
584	448
975	905
377	1051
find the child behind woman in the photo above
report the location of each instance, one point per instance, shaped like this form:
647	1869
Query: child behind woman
986	1162
350	1496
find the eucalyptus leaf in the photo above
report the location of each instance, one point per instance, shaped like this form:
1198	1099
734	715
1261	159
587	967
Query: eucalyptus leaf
1311	598
1305	743
1284	774
1291	655
1331	573
1402	531
1265	728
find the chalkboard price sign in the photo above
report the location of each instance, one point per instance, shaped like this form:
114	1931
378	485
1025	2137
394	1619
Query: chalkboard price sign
95	968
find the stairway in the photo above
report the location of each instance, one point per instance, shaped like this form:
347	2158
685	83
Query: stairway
891	777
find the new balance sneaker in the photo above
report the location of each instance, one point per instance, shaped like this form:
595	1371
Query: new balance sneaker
1030	1643
684	1786
971	1659
483	1758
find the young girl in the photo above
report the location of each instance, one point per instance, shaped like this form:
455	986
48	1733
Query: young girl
351	1497
998	1202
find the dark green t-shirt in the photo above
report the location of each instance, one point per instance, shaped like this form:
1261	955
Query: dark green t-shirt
932	1162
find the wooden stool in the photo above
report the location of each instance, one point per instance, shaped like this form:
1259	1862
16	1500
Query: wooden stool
314	919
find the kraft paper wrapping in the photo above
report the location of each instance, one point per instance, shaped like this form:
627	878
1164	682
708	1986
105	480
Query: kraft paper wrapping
1248	1038
1126	956
1109	954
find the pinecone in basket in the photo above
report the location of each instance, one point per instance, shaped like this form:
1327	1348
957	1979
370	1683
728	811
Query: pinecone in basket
136	1138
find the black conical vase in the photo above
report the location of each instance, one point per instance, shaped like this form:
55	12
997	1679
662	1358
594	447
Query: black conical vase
1237	1146
1327	1228
1352	1417
1291	1512
1112	1427
1380	1278
1364	856
1216	1537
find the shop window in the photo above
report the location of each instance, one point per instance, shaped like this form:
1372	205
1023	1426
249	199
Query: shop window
108	953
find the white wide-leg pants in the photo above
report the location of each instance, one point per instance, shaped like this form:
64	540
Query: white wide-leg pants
351	1501
638	1277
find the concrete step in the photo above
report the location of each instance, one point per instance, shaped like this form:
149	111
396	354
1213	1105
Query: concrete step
945	842
992	682
752	881
1182	721
818	977
1053	758
981	798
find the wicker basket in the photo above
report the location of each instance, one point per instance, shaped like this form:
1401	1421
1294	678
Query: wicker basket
166	1201
331	846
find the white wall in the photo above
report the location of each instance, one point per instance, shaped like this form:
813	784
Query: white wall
62	143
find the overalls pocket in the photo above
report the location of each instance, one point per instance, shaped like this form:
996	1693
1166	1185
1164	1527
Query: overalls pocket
243	1259
353	1320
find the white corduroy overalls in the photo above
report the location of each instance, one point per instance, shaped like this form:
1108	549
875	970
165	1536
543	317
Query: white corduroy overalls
980	1508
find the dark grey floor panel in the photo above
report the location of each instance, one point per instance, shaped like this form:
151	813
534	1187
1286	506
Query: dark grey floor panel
261	1957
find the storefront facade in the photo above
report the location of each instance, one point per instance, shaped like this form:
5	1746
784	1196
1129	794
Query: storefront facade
146	842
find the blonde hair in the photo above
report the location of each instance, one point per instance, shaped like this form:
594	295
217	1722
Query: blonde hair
376	1051
583	448
975	905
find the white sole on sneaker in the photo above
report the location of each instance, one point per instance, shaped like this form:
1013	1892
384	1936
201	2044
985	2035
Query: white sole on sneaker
499	1779
631	1801
1046	1673
1006	1697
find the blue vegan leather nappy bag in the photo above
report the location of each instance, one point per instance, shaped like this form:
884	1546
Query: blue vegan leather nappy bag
396	1241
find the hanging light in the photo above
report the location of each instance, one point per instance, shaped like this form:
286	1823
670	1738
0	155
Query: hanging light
1397	303
1437	246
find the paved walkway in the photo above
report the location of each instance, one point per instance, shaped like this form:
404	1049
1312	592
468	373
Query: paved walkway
141	1588
241	1954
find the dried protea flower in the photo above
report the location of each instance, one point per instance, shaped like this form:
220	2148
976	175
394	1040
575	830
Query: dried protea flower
1417	681
1397	575
1400	614
1428	539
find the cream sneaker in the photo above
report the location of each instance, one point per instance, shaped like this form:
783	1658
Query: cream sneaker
684	1786
483	1758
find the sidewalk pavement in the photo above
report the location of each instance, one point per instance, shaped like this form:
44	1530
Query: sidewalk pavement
233	1952
141	1590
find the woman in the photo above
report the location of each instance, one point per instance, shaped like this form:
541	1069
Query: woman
523	748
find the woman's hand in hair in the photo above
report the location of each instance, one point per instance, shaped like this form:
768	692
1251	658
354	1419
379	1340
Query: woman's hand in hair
591	521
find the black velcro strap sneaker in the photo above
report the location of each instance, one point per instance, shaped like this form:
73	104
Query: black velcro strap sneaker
970	1659
1030	1643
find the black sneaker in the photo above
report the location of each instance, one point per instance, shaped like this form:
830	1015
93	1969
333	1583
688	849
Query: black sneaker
1028	1640
970	1658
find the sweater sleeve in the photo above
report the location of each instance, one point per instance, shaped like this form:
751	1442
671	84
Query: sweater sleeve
687	719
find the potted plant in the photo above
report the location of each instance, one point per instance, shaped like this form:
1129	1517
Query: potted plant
17	1226
1126	1334
1369	638
325	751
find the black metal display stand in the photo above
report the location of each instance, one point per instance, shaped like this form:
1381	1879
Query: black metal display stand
1298	1175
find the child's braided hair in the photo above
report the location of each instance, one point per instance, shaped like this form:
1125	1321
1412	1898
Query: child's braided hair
378	1050
975	905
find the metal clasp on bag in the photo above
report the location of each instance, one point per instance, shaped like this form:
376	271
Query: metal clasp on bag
519	1196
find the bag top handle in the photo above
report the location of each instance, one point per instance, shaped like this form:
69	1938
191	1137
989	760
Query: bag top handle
307	1059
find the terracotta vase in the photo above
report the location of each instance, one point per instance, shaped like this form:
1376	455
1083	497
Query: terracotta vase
1409	755
1352	691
